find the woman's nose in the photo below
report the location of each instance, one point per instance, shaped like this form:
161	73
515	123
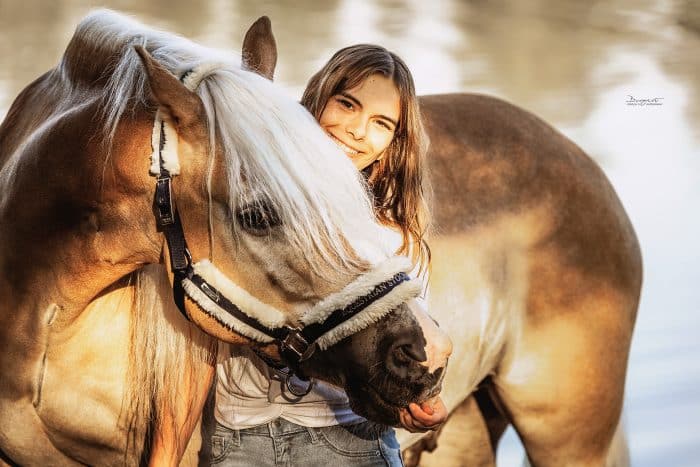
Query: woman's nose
356	127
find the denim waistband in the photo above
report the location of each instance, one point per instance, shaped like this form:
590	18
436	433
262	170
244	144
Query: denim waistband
277	427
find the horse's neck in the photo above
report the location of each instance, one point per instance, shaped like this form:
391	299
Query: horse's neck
34	105
67	228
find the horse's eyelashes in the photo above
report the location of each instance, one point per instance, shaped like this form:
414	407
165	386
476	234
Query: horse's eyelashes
258	218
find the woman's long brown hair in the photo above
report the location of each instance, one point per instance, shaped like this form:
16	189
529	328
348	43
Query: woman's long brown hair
398	180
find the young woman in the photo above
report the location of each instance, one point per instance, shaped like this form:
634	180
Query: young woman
364	99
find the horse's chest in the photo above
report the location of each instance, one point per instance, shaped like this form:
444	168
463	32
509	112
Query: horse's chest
81	382
477	291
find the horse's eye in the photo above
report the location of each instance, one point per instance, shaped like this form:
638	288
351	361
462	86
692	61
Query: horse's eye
257	219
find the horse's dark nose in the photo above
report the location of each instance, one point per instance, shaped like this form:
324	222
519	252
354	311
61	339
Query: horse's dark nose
403	356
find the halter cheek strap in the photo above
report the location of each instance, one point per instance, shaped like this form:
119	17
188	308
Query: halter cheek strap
380	291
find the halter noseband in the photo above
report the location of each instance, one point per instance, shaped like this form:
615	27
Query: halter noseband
380	291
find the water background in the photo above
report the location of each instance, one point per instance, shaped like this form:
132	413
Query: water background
576	64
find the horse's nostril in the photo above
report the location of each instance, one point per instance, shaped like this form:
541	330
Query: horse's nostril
412	351
402	357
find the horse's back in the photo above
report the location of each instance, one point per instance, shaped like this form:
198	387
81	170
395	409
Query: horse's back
490	159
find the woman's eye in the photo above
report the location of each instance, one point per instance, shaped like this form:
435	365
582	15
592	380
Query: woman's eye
345	103
257	219
384	125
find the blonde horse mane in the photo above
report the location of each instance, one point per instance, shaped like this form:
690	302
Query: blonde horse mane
267	141
166	351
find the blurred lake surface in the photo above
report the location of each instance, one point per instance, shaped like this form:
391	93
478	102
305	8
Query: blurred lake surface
576	64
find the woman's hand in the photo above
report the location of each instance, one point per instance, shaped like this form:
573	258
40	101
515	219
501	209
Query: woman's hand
427	416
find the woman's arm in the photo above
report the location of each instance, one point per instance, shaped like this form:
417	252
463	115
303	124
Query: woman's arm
173	433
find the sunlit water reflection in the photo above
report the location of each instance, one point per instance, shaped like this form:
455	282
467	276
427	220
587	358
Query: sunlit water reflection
573	63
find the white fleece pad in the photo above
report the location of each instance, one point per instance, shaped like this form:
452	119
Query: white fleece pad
251	306
358	288
194	77
221	316
362	286
274	318
171	161
373	313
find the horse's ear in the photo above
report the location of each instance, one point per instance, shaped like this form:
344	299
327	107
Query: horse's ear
260	49
184	106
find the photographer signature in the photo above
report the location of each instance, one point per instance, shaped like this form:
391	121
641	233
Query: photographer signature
653	101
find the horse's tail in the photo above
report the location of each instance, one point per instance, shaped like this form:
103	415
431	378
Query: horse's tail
165	350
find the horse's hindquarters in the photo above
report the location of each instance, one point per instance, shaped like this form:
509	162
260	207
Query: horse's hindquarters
563	378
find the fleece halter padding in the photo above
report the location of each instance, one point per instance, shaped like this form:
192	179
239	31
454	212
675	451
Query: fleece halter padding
373	295
164	136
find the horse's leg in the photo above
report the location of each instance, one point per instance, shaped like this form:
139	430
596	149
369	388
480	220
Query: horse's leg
207	426
618	453
492	410
462	440
562	379
428	443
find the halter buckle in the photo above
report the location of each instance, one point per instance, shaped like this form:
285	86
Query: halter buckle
165	213
295	345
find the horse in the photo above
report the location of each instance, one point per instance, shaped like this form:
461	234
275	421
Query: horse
537	269
156	196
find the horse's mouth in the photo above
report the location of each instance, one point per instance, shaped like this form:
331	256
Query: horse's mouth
376	405
384	401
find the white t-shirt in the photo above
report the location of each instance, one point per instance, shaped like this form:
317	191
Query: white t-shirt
245	384
247	395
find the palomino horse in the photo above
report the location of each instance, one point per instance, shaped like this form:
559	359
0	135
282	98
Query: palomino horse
272	243
538	272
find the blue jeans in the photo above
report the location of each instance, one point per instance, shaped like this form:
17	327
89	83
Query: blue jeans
282	443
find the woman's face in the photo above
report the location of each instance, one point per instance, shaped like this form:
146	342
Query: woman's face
362	120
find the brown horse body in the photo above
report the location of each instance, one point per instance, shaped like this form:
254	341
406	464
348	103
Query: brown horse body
536	277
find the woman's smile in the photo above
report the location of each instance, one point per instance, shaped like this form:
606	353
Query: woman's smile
347	149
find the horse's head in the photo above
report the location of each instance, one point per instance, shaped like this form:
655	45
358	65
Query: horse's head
268	235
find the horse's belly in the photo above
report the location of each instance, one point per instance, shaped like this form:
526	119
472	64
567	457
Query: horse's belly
83	382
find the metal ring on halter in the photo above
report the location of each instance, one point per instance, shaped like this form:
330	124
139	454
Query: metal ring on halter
292	389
